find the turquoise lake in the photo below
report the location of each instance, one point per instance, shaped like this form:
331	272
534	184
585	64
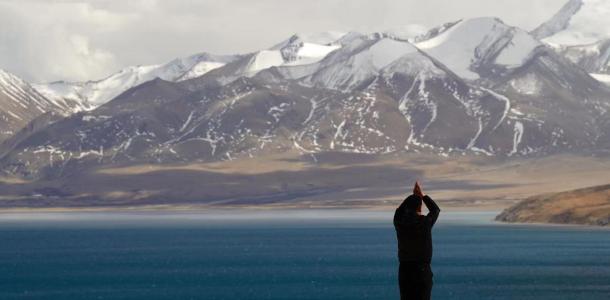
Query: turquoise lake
289	255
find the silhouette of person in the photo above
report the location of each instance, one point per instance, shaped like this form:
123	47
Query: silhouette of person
414	233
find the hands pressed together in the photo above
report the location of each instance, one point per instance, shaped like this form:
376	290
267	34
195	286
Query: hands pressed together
417	190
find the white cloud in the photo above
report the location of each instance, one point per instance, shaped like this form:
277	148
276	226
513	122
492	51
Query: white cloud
86	39
44	41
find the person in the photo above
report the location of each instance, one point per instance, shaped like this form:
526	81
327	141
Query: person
414	233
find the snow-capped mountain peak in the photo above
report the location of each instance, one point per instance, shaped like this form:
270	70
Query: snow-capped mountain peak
21	92
299	49
295	52
358	61
94	93
470	45
471	86
579	22
560	21
407	32
20	103
580	32
319	38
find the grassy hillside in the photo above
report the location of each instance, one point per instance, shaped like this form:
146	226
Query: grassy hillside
589	206
330	180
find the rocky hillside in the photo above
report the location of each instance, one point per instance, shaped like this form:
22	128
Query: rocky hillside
478	86
91	94
589	206
470	88
20	103
579	32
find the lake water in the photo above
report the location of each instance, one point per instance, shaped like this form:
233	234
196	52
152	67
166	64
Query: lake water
289	255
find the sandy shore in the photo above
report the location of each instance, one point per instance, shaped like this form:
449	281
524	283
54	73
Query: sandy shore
485	206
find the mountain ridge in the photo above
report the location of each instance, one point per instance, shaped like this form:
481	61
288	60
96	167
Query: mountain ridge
578	31
504	93
374	94
317	105
20	103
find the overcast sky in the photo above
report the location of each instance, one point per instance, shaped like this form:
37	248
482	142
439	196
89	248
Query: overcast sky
45	40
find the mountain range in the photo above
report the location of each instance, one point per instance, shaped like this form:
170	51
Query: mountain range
20	103
579	32
470	87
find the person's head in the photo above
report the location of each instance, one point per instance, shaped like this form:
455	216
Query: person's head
414	203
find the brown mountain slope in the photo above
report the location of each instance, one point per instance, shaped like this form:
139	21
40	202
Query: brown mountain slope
589	206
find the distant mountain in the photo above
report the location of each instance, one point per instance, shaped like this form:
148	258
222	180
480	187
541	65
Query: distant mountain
475	86
481	48
20	103
91	94
559	26
297	50
580	31
589	206
578	22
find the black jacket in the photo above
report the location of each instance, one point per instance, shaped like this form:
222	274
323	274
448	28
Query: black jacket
414	232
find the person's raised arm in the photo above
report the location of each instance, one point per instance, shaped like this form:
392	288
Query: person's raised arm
433	209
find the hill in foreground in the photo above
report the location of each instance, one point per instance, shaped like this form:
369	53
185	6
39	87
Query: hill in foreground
589	206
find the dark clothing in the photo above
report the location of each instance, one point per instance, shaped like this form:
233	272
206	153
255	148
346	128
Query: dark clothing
415	281
414	233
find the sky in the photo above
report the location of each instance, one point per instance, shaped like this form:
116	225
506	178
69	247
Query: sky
77	40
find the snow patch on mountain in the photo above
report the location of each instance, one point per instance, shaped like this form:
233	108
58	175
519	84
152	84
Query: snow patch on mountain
310	53
318	38
507	106
465	44
579	22
199	69
359	61
21	103
95	93
560	21
11	87
518	136
407	32
293	55
414	64
580	32
456	46
526	85
26	97
263	60
386	51
603	78
62	91
593	58
518	50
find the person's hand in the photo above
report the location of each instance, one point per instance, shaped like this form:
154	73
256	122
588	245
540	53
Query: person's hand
417	190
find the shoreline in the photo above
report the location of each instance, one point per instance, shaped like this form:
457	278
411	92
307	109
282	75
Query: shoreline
224	217
542	224
241	208
260	213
